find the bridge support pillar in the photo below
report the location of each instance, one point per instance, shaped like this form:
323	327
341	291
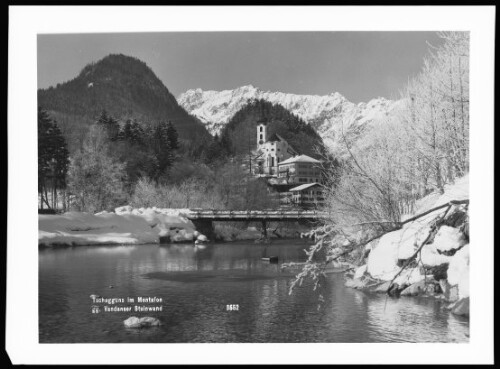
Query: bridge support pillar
205	227
264	228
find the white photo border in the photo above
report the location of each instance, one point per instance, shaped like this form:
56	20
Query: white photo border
22	341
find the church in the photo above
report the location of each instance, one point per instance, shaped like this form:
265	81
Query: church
271	151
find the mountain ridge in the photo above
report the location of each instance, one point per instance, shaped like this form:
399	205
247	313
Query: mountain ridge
328	114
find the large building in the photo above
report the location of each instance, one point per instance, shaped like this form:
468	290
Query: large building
300	169
271	151
309	195
294	178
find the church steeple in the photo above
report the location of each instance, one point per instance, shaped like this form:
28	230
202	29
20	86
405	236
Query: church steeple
261	132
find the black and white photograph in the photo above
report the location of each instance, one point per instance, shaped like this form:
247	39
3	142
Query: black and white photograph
258	185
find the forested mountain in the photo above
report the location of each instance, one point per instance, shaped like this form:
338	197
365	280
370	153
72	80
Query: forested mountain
241	130
123	86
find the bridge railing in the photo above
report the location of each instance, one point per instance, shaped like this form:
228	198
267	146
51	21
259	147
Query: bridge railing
244	214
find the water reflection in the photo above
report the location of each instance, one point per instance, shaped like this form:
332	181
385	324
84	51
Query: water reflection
197	283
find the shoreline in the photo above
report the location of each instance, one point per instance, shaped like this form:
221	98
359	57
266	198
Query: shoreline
44	246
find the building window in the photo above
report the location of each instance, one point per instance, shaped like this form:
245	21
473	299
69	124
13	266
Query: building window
261	136
260	128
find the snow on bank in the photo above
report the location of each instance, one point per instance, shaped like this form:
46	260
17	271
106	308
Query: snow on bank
125	226
402	244
458	271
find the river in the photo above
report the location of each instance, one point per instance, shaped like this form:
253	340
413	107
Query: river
195	286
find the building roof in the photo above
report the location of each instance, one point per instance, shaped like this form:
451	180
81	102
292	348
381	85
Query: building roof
304	186
300	159
276	137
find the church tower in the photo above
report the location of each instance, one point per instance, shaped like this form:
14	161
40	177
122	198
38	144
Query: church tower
261	133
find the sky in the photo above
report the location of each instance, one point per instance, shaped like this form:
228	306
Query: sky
359	65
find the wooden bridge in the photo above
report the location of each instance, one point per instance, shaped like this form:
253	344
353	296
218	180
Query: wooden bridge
203	219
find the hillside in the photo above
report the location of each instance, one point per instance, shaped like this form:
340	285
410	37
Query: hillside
241	128
326	114
123	86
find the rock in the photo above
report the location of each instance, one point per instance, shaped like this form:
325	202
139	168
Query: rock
147	321
127	209
458	271
165	239
448	240
382	288
415	289
450	293
431	289
360	271
402	262
201	238
460	307
357	283
395	290
453	294
440	272
196	233
456	218
465	230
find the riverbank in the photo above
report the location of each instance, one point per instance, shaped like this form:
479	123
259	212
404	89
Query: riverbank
428	256
126	226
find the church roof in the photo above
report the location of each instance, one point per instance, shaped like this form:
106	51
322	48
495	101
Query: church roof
300	159
276	137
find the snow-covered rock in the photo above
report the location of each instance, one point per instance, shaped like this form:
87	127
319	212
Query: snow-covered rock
382	261
135	322
448	238
458	271
400	244
360	271
393	247
415	289
201	238
328	114
409	276
431	257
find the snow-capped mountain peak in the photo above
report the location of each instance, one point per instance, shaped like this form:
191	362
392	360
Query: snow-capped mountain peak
326	113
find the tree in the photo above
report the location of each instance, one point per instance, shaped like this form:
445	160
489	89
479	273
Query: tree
421	147
161	151
110	125
137	133
95	178
172	136
438	113
52	159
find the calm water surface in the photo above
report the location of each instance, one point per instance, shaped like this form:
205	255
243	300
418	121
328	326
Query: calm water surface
197	284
